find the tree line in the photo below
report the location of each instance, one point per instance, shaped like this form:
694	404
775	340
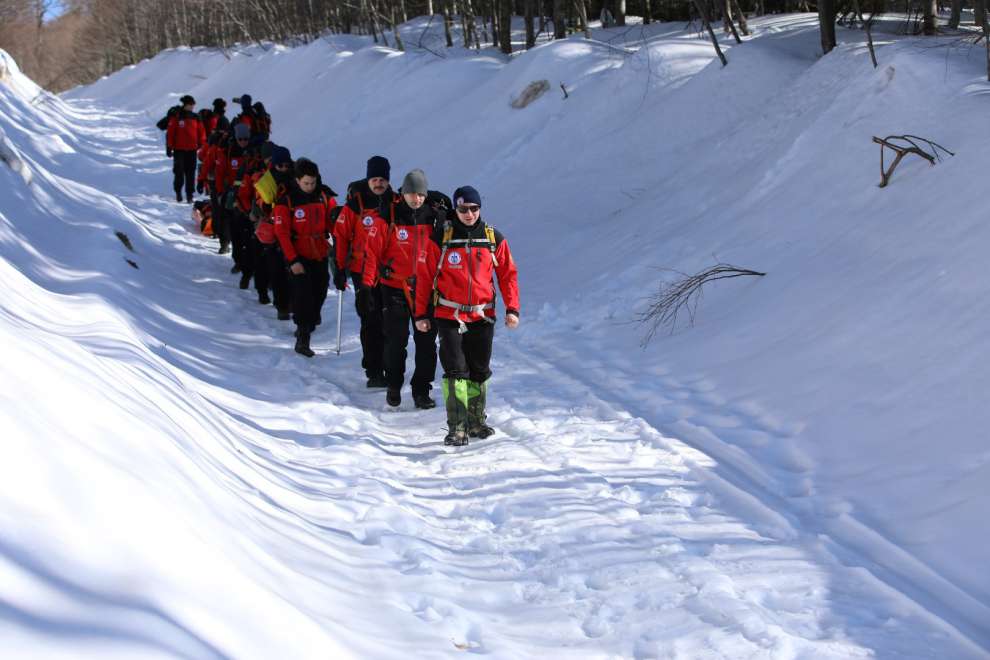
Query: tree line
92	38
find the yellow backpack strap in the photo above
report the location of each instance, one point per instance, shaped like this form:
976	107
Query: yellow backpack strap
490	233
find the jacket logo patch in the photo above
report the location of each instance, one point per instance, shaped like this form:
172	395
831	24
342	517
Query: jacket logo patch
368	221
300	213
233	163
454	258
182	123
403	235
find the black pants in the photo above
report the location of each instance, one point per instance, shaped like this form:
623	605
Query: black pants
221	226
241	235
270	272
309	291
468	355
372	333
396	321
184	171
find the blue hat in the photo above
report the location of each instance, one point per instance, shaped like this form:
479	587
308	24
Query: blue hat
466	195
242	131
281	156
378	166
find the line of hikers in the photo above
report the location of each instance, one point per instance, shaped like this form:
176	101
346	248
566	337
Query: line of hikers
414	257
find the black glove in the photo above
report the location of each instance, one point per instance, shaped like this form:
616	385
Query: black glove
340	279
168	151
384	272
199	187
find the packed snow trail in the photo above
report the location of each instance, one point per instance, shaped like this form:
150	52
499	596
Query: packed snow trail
281	510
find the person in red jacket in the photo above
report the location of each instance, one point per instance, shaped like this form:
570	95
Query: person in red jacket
232	170
369	201
393	250
459	261
270	272
183	138
302	226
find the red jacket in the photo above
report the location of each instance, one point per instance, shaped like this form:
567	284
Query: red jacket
302	223
362	211
185	132
392	251
466	274
232	165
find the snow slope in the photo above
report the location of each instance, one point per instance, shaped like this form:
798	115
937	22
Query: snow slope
799	474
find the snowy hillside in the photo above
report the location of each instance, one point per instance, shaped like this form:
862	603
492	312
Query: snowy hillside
802	474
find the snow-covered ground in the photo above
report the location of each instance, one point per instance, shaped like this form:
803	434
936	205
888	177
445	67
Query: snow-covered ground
802	474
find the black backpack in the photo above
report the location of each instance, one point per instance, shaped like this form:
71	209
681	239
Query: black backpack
163	122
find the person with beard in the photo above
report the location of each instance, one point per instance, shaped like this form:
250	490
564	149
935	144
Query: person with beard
237	162
369	201
302	223
456	293
183	138
270	271
390	259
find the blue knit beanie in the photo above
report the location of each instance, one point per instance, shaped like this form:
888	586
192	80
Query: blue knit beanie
466	195
281	156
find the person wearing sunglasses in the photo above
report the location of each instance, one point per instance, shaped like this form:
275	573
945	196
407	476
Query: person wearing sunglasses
461	260
370	203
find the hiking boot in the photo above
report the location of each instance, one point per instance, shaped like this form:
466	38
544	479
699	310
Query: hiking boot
188	199
424	401
224	248
393	397
455	438
283	315
302	345
481	431
263	298
235	269
178	196
245	280
376	381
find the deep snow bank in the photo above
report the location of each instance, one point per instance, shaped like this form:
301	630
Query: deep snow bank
863	347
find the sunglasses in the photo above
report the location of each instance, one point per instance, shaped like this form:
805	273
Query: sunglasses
282	166
468	209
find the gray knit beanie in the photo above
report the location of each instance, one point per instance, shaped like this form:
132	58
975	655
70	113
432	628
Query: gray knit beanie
415	182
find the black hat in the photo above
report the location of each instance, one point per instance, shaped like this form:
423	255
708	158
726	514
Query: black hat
219	103
281	156
466	195
378	166
187	100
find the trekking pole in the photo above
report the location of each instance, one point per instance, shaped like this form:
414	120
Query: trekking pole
340	314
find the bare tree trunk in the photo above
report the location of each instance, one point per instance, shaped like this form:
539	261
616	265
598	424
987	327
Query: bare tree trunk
559	20
956	15
448	21
730	23
868	28
740	17
582	16
930	12
826	24
647	12
530	28
620	12
979	12
702	7
505	26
